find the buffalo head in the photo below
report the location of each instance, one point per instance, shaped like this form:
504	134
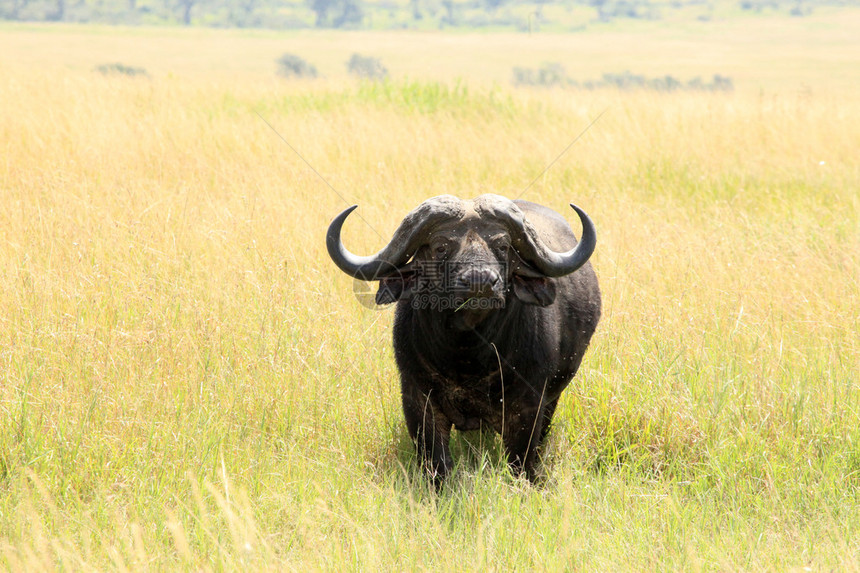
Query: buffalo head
455	255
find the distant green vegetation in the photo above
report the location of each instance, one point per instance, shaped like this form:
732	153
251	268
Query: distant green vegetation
553	74
293	66
367	67
121	69
408	96
523	15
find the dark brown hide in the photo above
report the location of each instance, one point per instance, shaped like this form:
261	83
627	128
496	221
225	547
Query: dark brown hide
496	305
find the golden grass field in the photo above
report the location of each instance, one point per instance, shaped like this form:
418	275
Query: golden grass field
187	382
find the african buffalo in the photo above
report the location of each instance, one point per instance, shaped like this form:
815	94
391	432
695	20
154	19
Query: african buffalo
496	304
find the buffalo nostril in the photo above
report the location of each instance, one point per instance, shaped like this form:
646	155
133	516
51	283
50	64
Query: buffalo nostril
479	280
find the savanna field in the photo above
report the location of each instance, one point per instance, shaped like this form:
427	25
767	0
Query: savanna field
188	383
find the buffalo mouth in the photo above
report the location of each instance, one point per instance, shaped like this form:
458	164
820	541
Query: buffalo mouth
471	295
480	303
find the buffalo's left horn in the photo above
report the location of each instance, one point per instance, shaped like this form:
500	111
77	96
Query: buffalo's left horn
554	264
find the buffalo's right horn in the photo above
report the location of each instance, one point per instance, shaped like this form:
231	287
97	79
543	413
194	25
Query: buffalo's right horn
408	237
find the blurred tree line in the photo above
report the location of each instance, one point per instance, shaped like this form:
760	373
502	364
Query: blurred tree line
524	15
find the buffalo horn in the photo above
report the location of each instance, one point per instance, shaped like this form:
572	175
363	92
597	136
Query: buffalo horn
408	237
550	263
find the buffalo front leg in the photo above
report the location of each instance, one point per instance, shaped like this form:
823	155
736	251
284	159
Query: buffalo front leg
430	429
548	412
522	436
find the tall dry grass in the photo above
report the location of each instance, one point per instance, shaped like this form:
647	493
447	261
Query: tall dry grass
187	382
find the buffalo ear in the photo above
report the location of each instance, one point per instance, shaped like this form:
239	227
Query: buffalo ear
392	289
534	290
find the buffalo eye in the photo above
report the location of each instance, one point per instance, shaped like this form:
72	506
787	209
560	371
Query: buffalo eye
440	250
500	247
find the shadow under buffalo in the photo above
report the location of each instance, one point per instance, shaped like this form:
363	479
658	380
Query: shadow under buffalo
478	453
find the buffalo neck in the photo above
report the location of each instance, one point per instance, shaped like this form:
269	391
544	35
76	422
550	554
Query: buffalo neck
446	345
